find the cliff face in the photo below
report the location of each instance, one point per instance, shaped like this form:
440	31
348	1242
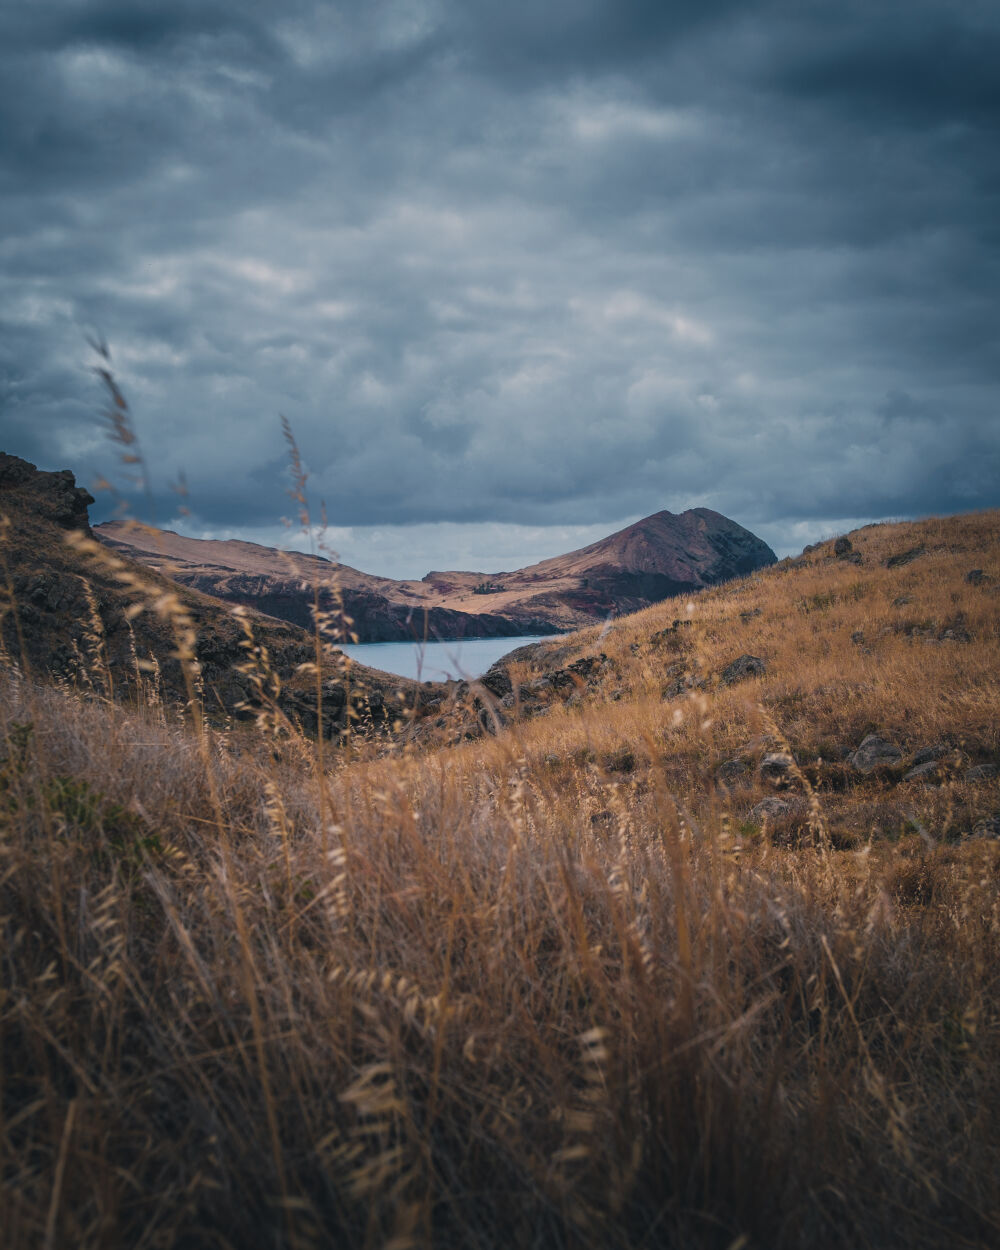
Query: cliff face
47	621
660	556
54	497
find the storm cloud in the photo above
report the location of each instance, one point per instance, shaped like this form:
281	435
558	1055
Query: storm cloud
515	274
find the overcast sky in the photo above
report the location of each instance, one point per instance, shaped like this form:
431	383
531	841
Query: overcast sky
517	273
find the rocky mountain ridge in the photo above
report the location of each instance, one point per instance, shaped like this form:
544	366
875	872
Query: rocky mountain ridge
657	557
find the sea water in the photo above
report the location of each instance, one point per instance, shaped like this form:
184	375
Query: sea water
437	661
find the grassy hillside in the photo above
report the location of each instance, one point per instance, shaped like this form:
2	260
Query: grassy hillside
562	982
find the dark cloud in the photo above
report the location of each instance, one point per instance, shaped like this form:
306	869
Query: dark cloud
937	68
538	265
526	43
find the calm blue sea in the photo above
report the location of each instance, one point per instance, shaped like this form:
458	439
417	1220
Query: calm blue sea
437	661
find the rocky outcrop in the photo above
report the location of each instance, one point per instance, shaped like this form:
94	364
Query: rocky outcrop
987	827
741	669
876	752
905	557
769	809
777	768
54	496
656	558
70	614
843	549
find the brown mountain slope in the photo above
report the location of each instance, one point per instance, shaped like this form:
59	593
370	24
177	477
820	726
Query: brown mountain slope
659	556
893	630
279	583
50	626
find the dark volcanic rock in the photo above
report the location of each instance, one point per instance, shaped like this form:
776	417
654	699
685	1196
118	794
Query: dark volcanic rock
843	549
926	754
733	773
904	557
875	752
776	769
928	771
987	826
54	496
955	629
769	810
741	669
581	672
673	636
497	681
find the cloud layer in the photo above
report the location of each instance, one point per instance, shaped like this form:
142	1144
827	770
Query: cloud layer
527	265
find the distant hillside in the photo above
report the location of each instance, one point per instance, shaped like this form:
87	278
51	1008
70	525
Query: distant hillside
655	558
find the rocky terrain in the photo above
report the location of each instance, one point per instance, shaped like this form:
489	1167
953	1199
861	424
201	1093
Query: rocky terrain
655	558
77	611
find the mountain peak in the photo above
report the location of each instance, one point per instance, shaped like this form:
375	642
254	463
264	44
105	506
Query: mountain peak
659	556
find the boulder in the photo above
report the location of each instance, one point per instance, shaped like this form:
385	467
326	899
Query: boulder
742	668
768	810
843	547
987	827
732	773
981	772
588	665
955	629
621	761
927	772
933	752
904	557
776	769
491	719
582	672
672	636
875	752
497	681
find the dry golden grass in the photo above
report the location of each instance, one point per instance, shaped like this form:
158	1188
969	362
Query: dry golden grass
546	987
825	689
